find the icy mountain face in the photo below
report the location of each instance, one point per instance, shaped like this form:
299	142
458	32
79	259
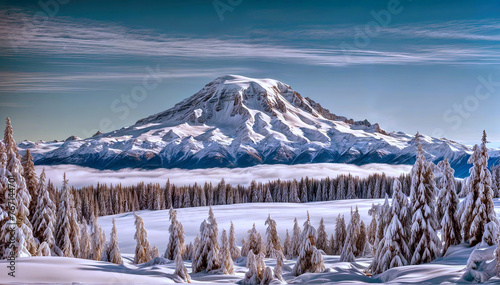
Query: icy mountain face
235	121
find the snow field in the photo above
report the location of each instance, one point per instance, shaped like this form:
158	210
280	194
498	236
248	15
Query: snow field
445	270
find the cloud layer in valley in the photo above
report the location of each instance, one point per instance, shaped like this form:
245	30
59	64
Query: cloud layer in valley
82	176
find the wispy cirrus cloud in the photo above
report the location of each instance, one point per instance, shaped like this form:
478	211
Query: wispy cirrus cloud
41	82
66	37
469	30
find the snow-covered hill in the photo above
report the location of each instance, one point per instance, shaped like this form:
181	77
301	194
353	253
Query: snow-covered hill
235	121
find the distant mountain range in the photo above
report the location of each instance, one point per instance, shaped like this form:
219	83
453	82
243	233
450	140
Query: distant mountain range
236	121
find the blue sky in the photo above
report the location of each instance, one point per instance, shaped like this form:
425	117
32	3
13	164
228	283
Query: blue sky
431	66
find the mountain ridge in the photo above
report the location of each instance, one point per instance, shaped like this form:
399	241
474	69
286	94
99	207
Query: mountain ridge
236	121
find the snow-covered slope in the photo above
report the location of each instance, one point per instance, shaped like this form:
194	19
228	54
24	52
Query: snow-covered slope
235	121
61	270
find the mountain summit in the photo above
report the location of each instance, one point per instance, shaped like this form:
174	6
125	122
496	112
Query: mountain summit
236	121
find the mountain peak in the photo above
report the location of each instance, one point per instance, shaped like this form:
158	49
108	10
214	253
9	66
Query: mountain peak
237	121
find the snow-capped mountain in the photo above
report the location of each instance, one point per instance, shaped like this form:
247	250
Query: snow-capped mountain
235	121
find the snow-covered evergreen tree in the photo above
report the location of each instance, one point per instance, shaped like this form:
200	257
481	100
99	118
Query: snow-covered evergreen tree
44	216
310	258
142	249
322	239
180	269
450	225
98	241
235	250
294	192
268	276
31	181
63	227
424	240
351	190
74	227
207	255
296	238
227	266
25	244
347	254
273	244
85	240
393	250
477	208
176	239
372	228
287	246
278	269
490	233
495	180
113	253
254	243
361	239
340	234
252	276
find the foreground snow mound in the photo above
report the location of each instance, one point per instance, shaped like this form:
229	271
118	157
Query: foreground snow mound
481	265
64	270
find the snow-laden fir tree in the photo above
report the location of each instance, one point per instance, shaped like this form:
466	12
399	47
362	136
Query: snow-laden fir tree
477	208
303	192
361	239
267	277
269	197
227	266
296	238
497	253
254	243
278	269
322	239
294	192
63	226
180	269
450	224
188	253
347	254
490	233
424	240
74	227
310	258
331	245
25	244
85	240
340	234
31	181
252	276
45	214
287	246
351	190
393	250
98	240
143	249
372	228
233	247
207	255
176	239
273	244
4	196
495	180
113	253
